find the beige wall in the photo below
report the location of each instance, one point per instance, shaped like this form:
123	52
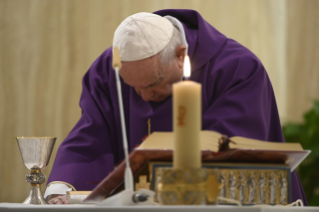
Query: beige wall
46	46
302	56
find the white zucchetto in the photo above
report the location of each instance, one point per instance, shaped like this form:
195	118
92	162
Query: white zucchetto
142	35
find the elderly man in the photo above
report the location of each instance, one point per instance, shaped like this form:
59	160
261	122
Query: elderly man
237	96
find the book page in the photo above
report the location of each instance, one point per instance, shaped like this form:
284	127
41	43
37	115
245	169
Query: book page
165	140
247	143
209	141
158	140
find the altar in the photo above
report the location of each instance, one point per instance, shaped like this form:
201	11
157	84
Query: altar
241	177
4	207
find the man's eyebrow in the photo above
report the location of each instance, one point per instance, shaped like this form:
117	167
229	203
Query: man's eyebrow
154	83
160	76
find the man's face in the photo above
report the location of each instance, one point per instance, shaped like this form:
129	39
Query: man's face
151	80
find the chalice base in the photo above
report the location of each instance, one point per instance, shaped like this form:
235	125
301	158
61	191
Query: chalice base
35	196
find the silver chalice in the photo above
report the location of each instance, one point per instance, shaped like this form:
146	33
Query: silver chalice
36	153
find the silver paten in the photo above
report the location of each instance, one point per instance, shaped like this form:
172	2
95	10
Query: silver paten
36	153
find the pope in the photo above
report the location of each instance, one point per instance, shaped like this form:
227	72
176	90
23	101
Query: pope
237	96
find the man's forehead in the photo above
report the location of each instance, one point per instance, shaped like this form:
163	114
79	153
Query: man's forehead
145	63
140	73
136	65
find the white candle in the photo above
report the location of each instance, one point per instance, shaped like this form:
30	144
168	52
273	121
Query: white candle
187	121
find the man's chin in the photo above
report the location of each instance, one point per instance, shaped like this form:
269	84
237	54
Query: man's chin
159	99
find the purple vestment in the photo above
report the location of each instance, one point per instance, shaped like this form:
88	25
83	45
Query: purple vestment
237	100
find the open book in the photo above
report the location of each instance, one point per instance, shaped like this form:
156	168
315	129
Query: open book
215	148
213	141
210	141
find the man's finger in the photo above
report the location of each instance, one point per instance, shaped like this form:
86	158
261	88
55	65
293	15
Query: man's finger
58	201
51	201
64	200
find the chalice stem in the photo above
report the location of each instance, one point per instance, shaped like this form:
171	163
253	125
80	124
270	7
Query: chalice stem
35	196
36	178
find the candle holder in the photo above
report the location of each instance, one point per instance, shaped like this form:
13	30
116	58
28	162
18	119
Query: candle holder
186	186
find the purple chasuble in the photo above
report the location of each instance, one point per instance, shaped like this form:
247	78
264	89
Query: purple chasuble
237	100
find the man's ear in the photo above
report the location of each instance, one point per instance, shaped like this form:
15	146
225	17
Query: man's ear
179	55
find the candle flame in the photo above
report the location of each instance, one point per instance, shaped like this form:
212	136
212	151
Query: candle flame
187	67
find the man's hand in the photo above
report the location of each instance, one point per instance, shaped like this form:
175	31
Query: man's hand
58	200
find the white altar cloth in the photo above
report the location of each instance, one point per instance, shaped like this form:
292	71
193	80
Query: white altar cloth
4	207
